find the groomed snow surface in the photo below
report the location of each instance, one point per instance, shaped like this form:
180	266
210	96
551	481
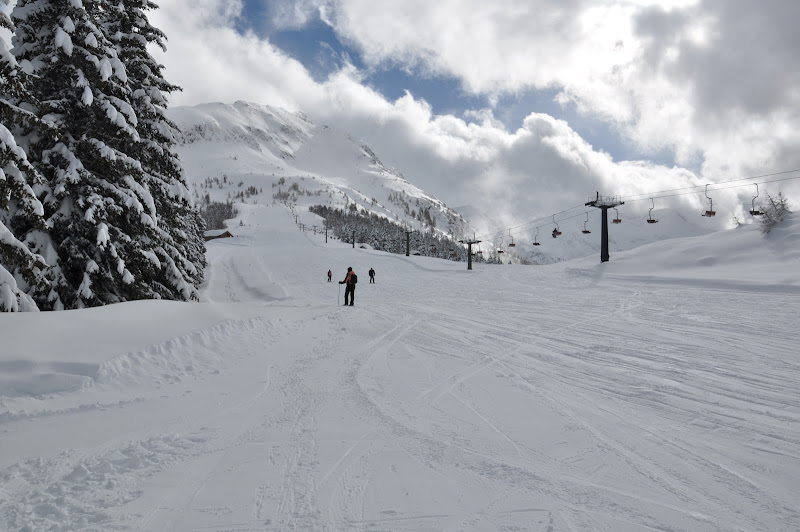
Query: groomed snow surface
658	391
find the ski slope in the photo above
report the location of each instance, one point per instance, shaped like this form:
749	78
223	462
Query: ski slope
658	391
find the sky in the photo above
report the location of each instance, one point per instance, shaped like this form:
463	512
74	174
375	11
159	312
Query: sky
516	108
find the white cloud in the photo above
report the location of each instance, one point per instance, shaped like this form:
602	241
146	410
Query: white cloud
636	66
661	72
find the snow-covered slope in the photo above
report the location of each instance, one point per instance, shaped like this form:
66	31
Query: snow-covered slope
738	257
638	394
630	233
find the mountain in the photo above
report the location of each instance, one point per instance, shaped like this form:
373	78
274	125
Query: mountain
254	153
264	154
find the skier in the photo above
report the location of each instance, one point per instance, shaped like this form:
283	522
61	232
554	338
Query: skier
371	276
555	233
330	274
350	280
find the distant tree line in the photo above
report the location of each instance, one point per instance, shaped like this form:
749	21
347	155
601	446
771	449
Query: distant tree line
423	214
383	234
215	213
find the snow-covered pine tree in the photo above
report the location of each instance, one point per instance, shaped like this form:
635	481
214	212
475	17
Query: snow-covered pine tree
180	227
22	227
101	213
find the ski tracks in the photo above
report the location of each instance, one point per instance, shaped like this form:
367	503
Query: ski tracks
437	332
98	485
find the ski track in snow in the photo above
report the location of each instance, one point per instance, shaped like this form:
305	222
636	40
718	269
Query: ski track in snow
537	399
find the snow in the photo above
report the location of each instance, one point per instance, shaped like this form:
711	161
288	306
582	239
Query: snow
106	70
91	41
102	235
68	24
63	41
656	391
12	299
122	75
87	98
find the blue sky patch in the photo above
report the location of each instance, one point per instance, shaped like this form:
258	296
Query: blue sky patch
317	47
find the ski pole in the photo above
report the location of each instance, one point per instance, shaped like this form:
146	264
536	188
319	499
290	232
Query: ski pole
339	296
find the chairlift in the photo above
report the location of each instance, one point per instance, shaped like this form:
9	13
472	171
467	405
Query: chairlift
710	211
616	220
650	218
500	247
556	231
754	211
536	237
585	230
512	244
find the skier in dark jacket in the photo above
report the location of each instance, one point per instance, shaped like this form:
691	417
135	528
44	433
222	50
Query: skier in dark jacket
350	280
371	275
330	274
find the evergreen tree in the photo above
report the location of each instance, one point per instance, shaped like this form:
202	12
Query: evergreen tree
22	228
102	213
180	227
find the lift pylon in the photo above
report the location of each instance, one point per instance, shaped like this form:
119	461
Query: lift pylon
469	244
604	203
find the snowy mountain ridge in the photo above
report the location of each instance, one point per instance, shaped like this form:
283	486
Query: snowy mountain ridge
300	163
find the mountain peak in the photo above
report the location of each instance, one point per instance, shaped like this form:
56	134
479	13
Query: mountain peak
272	149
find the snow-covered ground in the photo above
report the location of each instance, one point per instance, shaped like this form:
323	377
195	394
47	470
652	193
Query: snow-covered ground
659	391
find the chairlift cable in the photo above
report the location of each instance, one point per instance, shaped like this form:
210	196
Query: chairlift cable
691	190
656	195
684	191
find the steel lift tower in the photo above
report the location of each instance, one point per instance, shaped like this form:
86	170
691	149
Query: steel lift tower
604	203
469	244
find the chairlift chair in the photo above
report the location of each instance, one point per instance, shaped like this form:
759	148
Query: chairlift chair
616	220
556	231
710	211
753	210
585	230
650	218
500	247
512	244
536	238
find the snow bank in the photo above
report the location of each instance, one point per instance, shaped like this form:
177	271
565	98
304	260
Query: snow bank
741	257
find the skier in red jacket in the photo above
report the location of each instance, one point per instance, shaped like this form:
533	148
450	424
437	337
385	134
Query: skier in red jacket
350	280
